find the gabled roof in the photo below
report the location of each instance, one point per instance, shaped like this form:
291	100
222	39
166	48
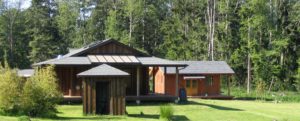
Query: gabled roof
26	72
104	71
98	44
202	67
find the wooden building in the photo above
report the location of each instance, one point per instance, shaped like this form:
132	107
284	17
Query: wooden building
84	75
107	73
200	79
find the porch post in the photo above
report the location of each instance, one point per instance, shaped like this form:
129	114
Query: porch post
153	79
138	84
71	83
176	87
165	76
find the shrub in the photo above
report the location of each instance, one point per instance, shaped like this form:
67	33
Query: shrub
24	118
10	90
41	93
166	112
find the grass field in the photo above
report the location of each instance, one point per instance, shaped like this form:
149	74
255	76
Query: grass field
196	110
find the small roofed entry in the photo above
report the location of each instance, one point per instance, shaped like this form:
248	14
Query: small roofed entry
104	90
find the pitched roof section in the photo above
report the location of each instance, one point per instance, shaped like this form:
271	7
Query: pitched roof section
202	67
66	61
154	61
26	72
103	71
113	59
98	44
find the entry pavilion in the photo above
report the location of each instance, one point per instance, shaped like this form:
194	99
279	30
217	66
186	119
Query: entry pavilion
106	73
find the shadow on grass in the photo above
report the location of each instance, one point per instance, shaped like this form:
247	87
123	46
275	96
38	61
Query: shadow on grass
155	116
88	118
253	98
212	106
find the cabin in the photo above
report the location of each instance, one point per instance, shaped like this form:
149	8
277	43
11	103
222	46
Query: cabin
201	79
105	74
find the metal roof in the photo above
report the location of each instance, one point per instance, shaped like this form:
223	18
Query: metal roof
26	72
103	70
202	67
113	59
66	61
154	61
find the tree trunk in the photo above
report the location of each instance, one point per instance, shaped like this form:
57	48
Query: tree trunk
249	60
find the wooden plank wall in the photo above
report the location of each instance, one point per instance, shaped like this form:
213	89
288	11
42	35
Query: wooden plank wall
117	94
112	49
117	97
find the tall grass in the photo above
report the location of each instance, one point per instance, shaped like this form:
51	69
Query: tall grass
278	96
166	112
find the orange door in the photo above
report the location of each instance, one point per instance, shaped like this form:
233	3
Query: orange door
191	87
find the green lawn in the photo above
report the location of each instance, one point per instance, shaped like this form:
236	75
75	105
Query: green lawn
196	110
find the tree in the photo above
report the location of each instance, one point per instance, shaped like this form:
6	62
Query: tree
12	39
66	22
45	40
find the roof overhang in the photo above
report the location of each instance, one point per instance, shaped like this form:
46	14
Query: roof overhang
154	61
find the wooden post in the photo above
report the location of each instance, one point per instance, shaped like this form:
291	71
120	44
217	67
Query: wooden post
153	78
138	84
71	82
177	71
84	97
228	85
165	78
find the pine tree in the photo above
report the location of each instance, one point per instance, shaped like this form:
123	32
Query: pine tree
43	31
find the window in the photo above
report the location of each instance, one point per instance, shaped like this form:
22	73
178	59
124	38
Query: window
209	81
194	83
188	83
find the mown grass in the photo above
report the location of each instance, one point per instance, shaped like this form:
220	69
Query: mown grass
195	110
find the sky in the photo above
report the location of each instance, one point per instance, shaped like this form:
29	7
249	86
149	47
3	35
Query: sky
25	3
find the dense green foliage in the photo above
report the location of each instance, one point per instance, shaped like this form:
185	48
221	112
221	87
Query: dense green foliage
36	96
11	90
258	38
41	93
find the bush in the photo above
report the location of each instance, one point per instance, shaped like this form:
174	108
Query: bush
41	93
166	112
36	96
10	90
24	118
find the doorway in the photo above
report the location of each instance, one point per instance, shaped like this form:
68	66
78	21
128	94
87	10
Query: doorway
102	98
191	87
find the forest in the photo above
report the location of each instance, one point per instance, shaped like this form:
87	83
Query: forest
259	39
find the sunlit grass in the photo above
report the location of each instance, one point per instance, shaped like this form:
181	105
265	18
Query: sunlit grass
195	110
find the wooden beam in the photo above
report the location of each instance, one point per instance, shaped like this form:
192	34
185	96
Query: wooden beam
176	86
153	78
84	97
138	77
165	78
71	82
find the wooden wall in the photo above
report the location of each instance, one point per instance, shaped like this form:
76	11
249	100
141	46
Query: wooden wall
112	49
165	84
117	93
69	83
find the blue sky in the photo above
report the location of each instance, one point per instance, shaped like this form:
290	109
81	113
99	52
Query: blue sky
25	3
